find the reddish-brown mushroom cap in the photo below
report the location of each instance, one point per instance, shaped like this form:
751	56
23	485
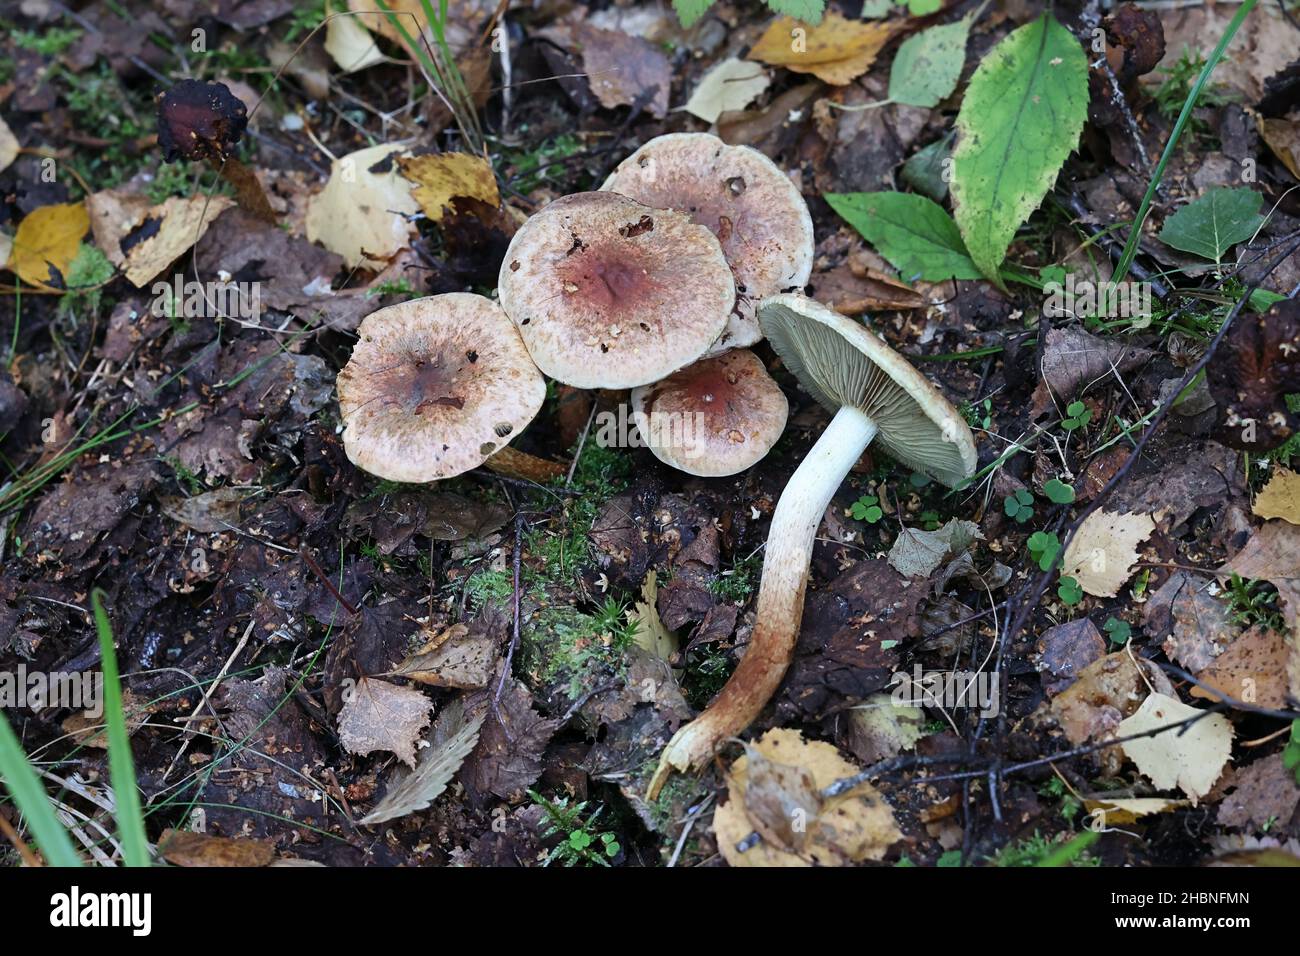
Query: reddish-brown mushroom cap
434	387
714	418
609	293
744	198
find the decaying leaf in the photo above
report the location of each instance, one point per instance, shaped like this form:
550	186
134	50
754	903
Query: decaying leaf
9	146
916	553
880	728
145	240
46	242
1106	692
361	213
350	44
453	737
1102	553
651	633
731	85
1252	669
378	715
1189	757
440	179
855	826
623	70
209	512
1261	794
454	657
1280	498
1283	138
184	848
1121	812
837	51
88	728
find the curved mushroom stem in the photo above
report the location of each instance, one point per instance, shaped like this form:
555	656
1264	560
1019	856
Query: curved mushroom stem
780	597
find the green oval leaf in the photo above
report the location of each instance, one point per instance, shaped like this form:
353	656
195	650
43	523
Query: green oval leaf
1021	117
928	65
918	238
1215	223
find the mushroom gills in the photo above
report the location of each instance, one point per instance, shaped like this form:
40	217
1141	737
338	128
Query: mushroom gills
795	520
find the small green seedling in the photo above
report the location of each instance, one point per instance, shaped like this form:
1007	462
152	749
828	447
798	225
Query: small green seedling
930	520
1118	631
1069	591
1043	548
1077	415
1291	754
1058	491
1019	506
867	508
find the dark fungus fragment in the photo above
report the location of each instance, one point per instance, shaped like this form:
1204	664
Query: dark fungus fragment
1140	35
199	120
1256	367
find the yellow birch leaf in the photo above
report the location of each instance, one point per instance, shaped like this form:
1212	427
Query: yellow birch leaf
836	51
48	238
1280	498
440	179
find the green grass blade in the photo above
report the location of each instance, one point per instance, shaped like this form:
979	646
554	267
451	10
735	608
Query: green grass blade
25	787
121	768
1066	854
1135	234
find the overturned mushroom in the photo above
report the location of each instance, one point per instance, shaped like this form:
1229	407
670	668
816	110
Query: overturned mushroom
205	121
756	212
714	418
875	395
434	387
608	293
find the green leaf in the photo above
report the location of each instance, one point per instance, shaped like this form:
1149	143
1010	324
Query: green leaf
925	171
1117	630
121	768
876	9
914	233
1069	591
1058	491
689	11
923	8
1021	117
1215	223
809	11
22	783
928	64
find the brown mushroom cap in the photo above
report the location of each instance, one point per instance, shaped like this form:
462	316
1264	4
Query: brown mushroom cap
840	362
434	387
714	418
608	293
744	198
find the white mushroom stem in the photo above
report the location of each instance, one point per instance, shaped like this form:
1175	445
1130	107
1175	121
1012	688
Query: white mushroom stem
780	597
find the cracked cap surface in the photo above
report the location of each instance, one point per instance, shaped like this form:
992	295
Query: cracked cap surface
434	387
610	293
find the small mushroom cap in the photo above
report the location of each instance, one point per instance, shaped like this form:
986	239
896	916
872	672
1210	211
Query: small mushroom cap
714	418
744	198
608	293
434	387
198	120
841	363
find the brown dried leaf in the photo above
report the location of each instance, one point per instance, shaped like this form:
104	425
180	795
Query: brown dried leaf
184	848
378	715
1280	498
451	658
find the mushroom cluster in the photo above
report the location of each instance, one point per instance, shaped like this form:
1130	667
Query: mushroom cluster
691	251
